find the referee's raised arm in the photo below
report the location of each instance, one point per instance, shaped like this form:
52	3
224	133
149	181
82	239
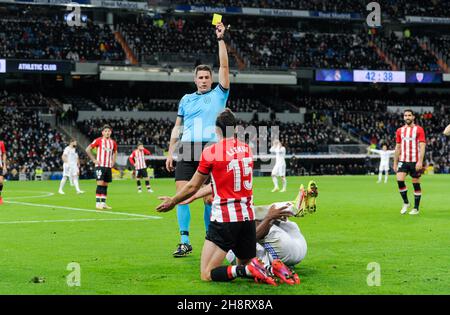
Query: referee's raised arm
224	71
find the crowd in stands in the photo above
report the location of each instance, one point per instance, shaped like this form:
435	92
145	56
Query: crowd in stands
31	144
130	104
408	54
150	37
21	100
292	49
130	131
38	37
379	128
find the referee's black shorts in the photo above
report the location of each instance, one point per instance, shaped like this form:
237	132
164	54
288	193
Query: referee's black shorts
188	154
240	237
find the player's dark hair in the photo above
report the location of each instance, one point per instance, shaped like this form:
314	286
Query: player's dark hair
409	110
106	127
203	68
226	121
72	140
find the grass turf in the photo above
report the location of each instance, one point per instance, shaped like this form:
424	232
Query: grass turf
357	222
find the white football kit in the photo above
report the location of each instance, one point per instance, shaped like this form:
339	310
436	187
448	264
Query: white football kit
384	158
280	163
70	168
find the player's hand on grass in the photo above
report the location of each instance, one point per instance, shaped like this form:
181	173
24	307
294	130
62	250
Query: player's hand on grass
220	30
278	213
166	205
169	164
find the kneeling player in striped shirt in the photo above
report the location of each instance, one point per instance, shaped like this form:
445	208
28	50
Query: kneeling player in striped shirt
137	159
106	158
230	165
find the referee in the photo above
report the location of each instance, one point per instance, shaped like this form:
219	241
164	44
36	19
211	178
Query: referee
197	113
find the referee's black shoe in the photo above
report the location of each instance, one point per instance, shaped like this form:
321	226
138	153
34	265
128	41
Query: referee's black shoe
183	250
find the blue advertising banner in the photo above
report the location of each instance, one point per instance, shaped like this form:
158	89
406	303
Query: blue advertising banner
334	75
423	77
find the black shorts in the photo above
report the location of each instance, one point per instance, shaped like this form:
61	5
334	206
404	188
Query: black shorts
240	237
142	173
104	174
409	168
188	154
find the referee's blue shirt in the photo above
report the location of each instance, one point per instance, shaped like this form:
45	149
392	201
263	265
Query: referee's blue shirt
199	113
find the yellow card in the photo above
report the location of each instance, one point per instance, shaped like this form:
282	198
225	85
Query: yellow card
217	18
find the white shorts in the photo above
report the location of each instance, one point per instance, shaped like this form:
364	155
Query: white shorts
285	242
384	167
279	169
70	170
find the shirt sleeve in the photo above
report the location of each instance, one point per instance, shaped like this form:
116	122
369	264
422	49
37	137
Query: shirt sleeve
421	135
222	93
66	151
205	164
131	158
95	143
398	138
181	106
147	152
115	146
2	147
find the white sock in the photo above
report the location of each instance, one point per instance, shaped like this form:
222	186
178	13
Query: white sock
284	181
63	182
275	182
75	182
380	174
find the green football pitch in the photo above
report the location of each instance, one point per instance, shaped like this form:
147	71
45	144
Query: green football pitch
129	249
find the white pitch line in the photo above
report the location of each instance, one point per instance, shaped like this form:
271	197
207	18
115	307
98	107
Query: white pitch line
46	194
85	210
73	220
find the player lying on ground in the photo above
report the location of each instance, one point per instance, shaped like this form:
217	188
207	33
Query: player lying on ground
197	113
137	159
385	155
408	159
71	167
229	162
106	158
280	242
3	168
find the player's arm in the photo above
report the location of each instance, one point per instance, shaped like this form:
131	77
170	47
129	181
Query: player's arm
203	192
447	131
64	158
398	149
174	136
419	164
263	227
224	71
188	191
91	156
5	168
131	159
147	152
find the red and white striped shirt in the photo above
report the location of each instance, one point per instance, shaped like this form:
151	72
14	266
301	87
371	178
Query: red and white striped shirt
409	138
137	158
105	151
230	163
2	151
